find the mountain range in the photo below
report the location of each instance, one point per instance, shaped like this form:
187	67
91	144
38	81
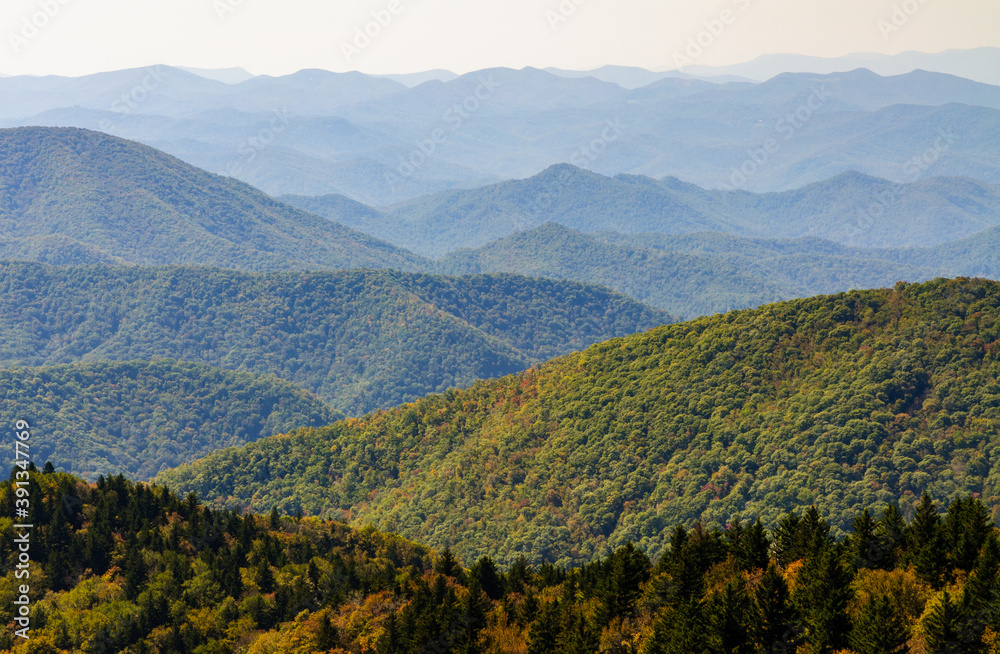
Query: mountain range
850	209
75	197
380	142
980	64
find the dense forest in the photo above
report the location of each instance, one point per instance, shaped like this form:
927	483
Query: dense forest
846	402
359	339
693	275
137	417
119	567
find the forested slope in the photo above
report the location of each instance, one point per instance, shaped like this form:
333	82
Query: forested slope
844	401
136	417
698	274
359	339
73	196
120	567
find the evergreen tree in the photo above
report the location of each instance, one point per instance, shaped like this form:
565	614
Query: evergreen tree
966	527
926	544
731	619
628	571
892	534
264	577
774	611
447	564
864	546
943	628
543	635
486	574
390	641
327	637
135	571
880	628
821	598
749	546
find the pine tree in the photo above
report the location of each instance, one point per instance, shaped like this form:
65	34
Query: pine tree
942	628
264	577
800	538
864	545
732	617
629	570
486	573
544	632
749	546
447	564
328	637
880	628
135	571
979	607
966	528
681	629
775	614
892	534
926	546
821	598
756	547
390	642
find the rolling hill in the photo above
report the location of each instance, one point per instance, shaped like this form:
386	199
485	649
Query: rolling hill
134	418
74	196
359	339
843	402
697	274
851	208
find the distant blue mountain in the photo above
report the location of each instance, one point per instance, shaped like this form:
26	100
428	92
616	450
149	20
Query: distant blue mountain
381	142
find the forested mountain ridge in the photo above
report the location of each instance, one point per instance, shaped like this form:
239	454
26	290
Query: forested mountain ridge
703	273
844	401
359	339
72	196
123	567
136	417
851	209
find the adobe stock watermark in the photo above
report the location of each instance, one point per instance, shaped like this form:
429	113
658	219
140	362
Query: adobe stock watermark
250	148
34	22
584	157
588	154
130	100
787	127
225	7
914	169
562	12
365	35
23	529
900	16
453	120
701	42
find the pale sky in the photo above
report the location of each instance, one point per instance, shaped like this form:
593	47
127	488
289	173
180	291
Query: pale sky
75	37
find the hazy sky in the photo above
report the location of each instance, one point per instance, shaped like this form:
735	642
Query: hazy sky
73	37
